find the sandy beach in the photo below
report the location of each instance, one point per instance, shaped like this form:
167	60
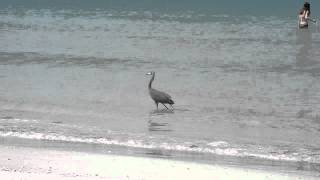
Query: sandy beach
25	163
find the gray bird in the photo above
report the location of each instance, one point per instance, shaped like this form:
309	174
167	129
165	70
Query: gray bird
158	96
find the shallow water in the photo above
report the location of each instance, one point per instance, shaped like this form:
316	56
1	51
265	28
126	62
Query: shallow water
245	85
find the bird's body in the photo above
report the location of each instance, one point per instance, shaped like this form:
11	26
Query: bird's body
159	96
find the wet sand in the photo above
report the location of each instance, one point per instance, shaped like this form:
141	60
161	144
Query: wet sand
32	163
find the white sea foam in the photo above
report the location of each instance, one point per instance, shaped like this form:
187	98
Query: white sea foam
18	120
218	143
225	151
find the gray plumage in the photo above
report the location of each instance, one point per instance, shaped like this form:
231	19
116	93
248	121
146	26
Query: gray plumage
159	96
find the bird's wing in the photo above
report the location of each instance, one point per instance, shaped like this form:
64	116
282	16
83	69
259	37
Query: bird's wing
159	95
164	94
167	95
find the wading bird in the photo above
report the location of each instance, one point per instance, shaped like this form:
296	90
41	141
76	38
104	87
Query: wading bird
158	96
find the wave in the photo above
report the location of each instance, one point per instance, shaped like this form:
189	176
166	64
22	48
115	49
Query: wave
52	18
21	58
17	120
283	8
220	148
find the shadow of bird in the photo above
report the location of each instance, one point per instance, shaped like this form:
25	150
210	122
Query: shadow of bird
159	96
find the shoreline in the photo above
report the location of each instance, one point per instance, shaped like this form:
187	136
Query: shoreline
36	163
201	158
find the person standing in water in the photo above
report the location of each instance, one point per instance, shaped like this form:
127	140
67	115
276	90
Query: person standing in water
304	15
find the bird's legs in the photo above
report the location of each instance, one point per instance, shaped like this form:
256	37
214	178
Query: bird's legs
156	104
165	106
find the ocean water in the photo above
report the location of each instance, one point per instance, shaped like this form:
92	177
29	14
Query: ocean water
244	79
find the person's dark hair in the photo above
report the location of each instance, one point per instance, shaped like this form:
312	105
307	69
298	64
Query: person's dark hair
306	6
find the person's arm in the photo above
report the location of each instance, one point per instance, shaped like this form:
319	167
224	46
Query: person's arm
306	14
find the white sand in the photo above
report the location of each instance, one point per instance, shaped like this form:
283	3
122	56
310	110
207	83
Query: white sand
20	163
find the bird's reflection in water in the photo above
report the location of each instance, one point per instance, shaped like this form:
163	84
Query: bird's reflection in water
158	126
158	120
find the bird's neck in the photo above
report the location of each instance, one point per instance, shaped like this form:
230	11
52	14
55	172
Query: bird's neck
150	82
